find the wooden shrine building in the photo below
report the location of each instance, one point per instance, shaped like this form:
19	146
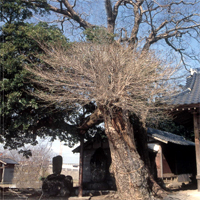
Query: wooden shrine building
172	156
187	111
7	166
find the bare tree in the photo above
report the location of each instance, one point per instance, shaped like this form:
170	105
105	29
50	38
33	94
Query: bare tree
120	81
174	24
30	170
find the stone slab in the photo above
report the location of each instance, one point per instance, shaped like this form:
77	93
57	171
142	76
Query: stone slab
79	198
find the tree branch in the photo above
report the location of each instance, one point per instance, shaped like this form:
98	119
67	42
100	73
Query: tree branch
137	21
168	34
69	12
178	50
110	20
48	122
94	119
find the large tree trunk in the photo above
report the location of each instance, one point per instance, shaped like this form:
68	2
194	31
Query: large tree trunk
130	172
140	136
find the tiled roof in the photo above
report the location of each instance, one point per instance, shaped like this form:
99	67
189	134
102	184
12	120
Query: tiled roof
8	161
191	91
158	135
166	137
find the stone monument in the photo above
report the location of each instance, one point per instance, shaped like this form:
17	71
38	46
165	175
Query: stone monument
57	184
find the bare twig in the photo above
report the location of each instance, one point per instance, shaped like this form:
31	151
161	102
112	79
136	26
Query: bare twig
107	74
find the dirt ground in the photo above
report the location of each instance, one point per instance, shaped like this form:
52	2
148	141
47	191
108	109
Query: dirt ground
178	195
175	193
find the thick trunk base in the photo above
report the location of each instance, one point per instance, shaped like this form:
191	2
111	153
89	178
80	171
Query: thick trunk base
130	171
130	174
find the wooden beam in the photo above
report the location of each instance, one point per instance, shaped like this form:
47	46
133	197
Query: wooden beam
196	121
3	173
80	192
161	161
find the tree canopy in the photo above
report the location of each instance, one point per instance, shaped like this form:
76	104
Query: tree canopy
107	74
22	114
169	25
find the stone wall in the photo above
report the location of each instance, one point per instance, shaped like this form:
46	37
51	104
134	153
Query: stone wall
26	176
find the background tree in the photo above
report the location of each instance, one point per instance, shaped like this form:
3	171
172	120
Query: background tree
22	114
30	170
170	126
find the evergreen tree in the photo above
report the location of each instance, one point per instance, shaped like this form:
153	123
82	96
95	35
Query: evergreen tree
21	113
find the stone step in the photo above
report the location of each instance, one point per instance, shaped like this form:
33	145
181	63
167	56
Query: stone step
80	198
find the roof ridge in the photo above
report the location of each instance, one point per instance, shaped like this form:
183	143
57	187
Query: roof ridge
193	81
195	71
193	76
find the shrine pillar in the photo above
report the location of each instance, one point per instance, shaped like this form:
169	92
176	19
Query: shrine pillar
196	121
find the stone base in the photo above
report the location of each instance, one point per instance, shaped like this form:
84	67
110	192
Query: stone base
96	186
57	184
93	192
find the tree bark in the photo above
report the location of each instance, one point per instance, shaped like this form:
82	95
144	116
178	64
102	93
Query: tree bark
130	171
140	135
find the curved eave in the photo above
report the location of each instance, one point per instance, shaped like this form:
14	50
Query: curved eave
191	94
166	137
